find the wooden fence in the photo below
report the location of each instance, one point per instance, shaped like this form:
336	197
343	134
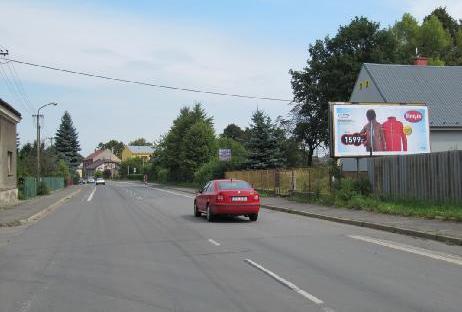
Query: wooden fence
434	177
286	181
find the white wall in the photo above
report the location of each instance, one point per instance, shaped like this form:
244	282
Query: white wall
444	140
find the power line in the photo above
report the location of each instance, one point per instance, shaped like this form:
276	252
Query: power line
147	83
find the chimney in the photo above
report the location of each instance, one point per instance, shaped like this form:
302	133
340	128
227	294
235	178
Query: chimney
421	61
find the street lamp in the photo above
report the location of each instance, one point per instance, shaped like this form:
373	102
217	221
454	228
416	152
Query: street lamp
38	138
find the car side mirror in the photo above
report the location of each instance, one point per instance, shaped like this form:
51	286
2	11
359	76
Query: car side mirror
199	191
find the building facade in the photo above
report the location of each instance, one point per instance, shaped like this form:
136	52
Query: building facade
9	118
143	152
439	87
101	160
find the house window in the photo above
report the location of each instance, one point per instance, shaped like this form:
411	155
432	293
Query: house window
10	163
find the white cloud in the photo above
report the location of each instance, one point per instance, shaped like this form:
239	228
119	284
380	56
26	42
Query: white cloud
133	47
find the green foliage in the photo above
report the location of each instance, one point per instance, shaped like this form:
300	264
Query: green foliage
140	142
188	144
113	145
234	132
27	161
67	142
42	189
238	152
434	39
263	146
197	149
62	170
212	170
98	174
131	164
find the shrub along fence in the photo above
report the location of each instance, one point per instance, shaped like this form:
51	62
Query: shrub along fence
287	181
433	177
28	185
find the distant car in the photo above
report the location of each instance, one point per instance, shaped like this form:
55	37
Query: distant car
100	181
91	180
227	197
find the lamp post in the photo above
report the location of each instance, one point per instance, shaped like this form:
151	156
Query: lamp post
38	138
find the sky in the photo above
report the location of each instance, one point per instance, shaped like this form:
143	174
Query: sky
237	46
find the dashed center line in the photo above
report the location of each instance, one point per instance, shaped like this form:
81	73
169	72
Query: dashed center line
285	282
91	194
174	193
411	249
213	242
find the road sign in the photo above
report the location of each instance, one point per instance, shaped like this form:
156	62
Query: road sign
224	154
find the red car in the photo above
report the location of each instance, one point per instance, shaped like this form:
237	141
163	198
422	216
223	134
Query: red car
227	197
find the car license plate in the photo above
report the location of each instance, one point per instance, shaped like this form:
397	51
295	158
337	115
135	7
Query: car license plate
239	198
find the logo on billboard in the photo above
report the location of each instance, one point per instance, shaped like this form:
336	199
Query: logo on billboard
413	116
343	117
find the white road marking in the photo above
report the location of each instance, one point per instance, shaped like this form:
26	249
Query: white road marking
174	193
91	194
411	249
213	242
285	282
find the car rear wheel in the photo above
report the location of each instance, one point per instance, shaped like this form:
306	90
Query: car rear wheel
253	217
197	213
210	215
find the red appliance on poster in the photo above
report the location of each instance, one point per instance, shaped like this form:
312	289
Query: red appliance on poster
395	138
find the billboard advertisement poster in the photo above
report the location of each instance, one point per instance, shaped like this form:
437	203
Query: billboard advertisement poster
359	130
224	154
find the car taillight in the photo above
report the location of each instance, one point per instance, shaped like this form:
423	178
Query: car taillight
256	197
220	197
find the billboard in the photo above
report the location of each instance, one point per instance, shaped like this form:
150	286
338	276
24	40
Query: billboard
377	129
224	154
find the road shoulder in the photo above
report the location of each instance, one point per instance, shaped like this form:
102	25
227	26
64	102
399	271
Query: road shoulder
34	209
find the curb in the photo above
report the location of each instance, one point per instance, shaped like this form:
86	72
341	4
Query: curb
376	226
46	211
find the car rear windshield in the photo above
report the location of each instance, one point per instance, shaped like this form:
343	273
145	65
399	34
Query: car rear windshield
233	185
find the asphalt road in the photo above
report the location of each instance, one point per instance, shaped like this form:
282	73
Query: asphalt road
128	247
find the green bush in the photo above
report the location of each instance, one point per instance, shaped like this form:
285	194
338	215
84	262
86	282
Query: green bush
162	175
42	189
362	186
136	177
212	170
347	189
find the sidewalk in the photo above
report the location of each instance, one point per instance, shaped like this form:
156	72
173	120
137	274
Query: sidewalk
445	231
17	214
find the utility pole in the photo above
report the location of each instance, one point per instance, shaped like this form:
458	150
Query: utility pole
38	138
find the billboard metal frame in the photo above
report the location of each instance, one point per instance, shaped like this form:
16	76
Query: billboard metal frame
332	124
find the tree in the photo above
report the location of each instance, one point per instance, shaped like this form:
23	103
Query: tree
140	142
331	72
171	149
264	150
67	142
449	24
435	41
407	35
113	145
27	161
198	148
234	132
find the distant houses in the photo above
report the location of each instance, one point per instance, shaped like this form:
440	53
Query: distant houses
134	151
9	118
101	160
